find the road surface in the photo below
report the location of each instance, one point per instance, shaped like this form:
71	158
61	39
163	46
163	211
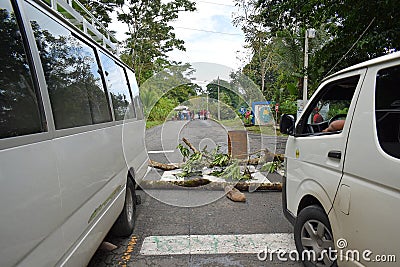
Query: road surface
217	232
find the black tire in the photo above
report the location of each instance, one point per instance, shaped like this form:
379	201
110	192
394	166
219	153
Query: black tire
312	231
125	223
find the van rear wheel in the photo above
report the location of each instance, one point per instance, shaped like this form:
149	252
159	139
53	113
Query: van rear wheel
313	237
126	220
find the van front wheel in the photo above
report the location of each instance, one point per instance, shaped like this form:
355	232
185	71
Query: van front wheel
313	237
126	220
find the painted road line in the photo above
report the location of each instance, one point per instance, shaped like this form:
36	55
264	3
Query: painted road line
216	244
160	151
128	252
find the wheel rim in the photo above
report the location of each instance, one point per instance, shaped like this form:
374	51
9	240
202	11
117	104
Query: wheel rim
129	205
316	236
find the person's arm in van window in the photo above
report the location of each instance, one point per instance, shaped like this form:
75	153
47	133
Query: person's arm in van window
335	126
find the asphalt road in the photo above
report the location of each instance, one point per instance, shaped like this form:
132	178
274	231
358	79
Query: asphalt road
200	133
219	232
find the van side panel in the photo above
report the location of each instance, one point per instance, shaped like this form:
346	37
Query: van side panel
369	219
88	161
64	187
91	222
135	153
30	203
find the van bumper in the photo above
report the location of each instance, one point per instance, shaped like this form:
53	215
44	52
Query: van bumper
289	216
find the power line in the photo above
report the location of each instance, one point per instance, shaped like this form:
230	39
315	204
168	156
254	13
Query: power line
351	48
213	3
200	30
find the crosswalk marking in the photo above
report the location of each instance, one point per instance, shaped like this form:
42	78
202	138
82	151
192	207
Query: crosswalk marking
216	244
160	151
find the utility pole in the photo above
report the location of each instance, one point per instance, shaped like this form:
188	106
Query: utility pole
310	33
219	111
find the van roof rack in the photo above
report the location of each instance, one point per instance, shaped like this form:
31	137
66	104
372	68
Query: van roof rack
78	15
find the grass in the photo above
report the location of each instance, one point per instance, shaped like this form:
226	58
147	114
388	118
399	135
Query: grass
151	124
236	124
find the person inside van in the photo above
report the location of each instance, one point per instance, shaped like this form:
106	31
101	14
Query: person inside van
317	118
335	126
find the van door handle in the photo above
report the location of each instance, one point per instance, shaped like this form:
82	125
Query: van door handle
335	154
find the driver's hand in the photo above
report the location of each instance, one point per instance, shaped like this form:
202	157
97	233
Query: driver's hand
335	126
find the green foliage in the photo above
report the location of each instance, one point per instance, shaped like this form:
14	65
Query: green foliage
162	109
227	96
100	9
272	166
193	164
149	98
184	151
220	160
232	172
333	111
288	106
230	169
151	124
166	90
344	22
182	93
278	27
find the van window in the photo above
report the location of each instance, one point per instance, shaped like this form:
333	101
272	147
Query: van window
72	74
19	103
118	87
331	104
387	110
135	93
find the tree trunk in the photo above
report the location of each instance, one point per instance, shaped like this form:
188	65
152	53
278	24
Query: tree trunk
164	167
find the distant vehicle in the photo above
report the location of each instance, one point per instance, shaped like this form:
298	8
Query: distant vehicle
342	185
71	137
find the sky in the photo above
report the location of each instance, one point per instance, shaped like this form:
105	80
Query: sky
208	33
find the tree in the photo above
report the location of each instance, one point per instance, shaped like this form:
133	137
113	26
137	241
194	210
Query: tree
226	94
101	9
150	37
358	30
257	41
167	89
268	53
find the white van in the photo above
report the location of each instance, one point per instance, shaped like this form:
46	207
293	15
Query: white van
342	184
71	138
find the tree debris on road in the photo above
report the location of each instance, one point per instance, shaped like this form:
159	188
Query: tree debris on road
233	194
163	166
198	163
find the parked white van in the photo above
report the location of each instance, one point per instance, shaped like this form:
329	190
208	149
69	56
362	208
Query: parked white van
342	178
71	137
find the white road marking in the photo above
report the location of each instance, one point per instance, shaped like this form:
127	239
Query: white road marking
216	244
160	151
169	176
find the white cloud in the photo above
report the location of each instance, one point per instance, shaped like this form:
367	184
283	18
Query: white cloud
197	30
213	16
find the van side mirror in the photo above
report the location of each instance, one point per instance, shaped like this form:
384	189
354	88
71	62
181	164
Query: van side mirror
287	124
